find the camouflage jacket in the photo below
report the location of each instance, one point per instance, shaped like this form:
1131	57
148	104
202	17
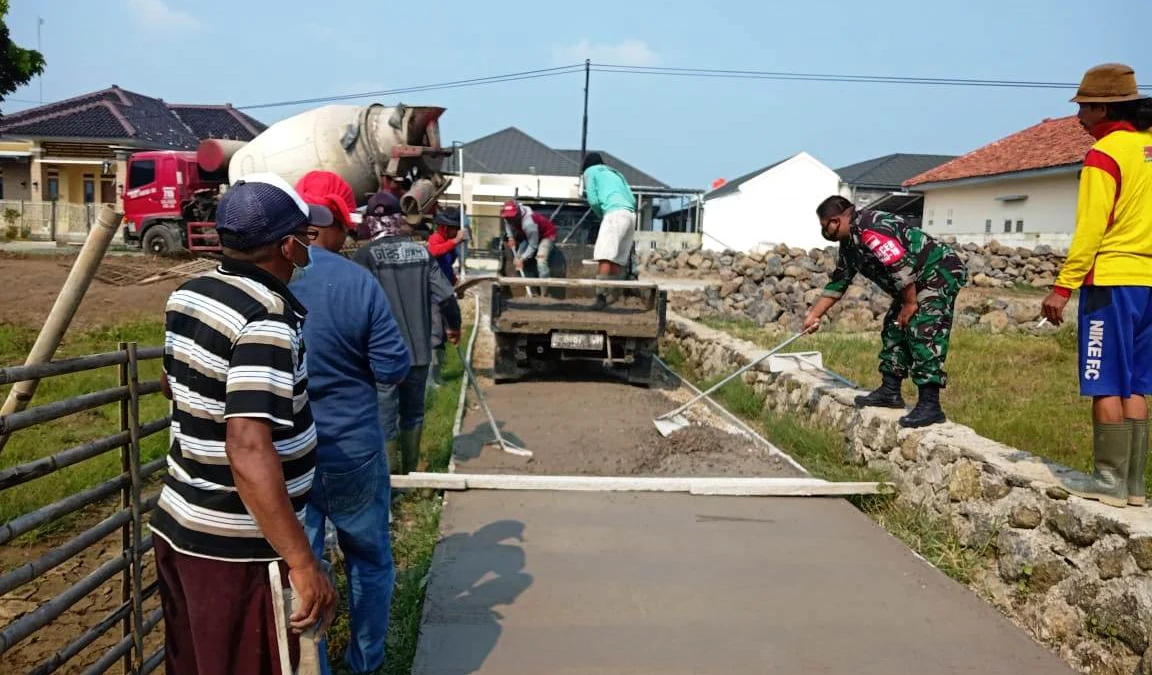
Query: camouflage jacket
892	254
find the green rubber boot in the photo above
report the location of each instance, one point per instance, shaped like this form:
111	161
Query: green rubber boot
1108	484
409	443
392	449
1137	461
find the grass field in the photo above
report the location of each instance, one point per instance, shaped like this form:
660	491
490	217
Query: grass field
1018	389
52	437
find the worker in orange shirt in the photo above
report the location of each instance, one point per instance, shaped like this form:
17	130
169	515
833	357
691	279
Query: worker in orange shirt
1110	261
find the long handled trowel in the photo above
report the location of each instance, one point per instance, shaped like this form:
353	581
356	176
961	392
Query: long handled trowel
673	421
505	445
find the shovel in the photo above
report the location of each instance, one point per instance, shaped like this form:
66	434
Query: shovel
527	289
671	422
506	446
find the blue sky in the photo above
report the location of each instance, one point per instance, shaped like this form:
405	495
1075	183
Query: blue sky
684	131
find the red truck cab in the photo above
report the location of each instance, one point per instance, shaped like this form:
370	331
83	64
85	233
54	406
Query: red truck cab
162	195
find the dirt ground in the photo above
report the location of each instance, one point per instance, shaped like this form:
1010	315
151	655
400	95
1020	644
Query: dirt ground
43	644
31	284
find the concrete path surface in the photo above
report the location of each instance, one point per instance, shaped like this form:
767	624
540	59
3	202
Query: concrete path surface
534	583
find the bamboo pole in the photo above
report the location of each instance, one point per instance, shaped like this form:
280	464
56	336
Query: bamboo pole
95	246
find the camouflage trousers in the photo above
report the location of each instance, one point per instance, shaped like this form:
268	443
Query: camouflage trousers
920	349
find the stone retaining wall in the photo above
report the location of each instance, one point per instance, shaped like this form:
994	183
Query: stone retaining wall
778	286
1073	573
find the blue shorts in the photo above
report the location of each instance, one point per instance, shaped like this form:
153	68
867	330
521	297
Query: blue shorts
1115	333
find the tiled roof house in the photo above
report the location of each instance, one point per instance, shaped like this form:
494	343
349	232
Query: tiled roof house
73	150
1021	188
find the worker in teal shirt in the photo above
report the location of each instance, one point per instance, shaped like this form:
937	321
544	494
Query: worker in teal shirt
612	200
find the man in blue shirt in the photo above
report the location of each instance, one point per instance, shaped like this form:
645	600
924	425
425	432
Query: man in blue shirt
353	344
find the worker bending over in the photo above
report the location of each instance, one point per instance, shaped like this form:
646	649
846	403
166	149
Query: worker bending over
613	202
1110	261
530	237
923	277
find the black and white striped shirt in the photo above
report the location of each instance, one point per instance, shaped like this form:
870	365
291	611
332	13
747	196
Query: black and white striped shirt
232	348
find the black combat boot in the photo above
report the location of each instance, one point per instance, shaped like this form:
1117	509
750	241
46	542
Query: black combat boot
927	410
887	395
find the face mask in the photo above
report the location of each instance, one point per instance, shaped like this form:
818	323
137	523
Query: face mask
298	271
824	233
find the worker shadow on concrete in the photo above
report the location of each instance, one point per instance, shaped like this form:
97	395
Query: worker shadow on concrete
473	575
468	446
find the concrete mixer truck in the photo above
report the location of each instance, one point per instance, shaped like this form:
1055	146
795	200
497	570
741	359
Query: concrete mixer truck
170	197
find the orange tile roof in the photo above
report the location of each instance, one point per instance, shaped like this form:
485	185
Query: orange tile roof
1051	143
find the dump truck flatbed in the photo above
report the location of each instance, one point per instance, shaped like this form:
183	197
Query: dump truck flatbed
539	329
629	317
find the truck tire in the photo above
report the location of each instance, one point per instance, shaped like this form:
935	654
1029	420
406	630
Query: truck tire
642	370
162	239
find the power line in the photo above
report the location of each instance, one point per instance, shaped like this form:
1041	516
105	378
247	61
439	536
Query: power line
829	77
454	84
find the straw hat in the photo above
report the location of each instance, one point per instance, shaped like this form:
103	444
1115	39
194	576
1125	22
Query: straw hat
1108	83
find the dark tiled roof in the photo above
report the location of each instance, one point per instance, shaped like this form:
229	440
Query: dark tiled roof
118	114
218	121
512	151
1052	143
890	171
734	184
634	176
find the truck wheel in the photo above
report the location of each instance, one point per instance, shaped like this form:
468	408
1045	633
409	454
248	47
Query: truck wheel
161	240
640	373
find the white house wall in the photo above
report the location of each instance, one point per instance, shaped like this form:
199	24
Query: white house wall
776	207
1048	214
510	185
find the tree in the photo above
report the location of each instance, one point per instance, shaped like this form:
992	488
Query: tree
17	65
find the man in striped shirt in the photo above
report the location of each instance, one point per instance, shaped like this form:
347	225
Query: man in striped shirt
242	444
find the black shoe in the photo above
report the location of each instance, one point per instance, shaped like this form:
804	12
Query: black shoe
927	411
601	302
886	396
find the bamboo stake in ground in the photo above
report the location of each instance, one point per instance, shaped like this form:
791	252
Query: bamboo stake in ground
95	246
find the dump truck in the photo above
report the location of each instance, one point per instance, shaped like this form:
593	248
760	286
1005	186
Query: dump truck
542	324
171	196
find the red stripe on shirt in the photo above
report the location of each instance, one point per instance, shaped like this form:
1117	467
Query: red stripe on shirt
1103	161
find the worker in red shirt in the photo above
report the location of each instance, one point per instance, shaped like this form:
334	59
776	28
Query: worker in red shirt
530	236
443	242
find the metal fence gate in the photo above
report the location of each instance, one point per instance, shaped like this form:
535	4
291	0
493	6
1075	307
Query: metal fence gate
129	621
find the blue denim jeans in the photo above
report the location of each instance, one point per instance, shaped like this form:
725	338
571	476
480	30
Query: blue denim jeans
402	405
357	503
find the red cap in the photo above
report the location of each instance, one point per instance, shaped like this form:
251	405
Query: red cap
510	210
325	188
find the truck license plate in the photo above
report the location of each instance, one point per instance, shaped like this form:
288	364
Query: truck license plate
582	341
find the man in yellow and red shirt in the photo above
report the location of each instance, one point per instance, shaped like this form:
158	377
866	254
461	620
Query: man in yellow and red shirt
1110	261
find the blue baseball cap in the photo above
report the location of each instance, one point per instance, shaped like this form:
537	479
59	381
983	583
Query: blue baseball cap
263	208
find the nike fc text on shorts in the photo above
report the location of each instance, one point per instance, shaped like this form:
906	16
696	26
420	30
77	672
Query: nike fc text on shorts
1115	334
614	242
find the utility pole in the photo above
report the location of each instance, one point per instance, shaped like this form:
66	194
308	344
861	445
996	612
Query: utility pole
584	134
39	23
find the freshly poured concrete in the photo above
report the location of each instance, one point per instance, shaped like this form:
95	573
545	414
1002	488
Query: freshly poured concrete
534	583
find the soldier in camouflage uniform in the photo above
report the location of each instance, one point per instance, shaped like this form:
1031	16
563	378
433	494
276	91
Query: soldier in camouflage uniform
922	275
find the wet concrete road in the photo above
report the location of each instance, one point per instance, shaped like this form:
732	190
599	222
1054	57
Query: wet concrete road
528	583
